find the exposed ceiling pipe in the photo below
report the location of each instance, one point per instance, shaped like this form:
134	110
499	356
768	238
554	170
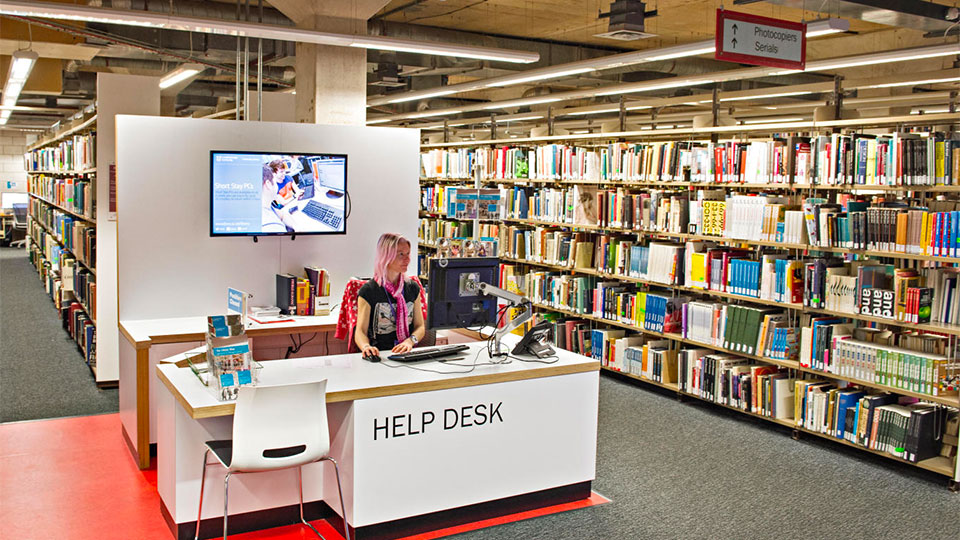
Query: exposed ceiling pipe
190	8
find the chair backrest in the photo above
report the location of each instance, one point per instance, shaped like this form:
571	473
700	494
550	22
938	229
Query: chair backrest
281	426
20	215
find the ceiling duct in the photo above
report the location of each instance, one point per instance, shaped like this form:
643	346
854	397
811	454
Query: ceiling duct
926	16
626	21
194	8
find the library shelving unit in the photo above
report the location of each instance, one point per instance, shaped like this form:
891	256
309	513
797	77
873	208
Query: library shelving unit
62	223
807	193
72	216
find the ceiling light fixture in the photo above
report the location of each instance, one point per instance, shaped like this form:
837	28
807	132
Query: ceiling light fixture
914	83
52	10
541	76
181	74
765	96
432	113
774	120
21	64
424	96
520	103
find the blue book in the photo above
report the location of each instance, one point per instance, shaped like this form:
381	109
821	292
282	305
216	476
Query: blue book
845	400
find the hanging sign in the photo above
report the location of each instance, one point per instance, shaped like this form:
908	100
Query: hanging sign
760	41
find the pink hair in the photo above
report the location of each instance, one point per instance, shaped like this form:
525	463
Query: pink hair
387	248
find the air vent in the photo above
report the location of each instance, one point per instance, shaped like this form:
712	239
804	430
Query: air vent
626	21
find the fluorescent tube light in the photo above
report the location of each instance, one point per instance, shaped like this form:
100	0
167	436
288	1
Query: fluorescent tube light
182	73
764	96
705	49
378	121
521	119
520	103
424	96
824	27
914	83
54	10
774	120
432	113
21	64
601	111
541	76
673	83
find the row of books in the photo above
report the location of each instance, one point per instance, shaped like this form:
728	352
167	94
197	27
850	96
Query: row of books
304	295
75	235
863	287
899	426
885	226
447	163
74	193
855	159
432	229
80	326
76	153
743	329
79	283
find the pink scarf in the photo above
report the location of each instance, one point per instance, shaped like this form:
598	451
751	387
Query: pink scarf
396	291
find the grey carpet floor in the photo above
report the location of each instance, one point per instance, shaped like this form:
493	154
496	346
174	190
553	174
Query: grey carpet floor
692	470
42	372
673	470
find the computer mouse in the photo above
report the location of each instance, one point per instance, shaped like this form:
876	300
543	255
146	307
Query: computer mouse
372	358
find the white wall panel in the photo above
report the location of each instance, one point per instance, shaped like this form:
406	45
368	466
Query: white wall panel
170	267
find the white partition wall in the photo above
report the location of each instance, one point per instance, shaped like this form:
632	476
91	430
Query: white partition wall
128	94
169	266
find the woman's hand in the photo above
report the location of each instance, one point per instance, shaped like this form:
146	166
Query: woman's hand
404	346
370	350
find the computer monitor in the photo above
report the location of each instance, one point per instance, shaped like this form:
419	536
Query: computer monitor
8	198
262	193
454	298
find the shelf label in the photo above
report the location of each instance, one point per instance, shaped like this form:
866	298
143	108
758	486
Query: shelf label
760	41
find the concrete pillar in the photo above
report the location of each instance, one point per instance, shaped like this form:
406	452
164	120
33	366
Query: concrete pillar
331	81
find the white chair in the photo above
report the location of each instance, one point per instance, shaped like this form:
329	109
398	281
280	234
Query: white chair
275	427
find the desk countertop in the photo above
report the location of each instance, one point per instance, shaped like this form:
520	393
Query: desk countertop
181	329
351	378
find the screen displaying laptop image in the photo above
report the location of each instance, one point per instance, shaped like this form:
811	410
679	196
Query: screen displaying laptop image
256	193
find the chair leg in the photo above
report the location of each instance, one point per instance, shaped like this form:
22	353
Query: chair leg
203	479
226	495
300	489
343	508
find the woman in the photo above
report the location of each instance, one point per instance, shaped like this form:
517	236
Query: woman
387	298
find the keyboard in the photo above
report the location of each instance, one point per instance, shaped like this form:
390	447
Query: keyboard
327	215
428	353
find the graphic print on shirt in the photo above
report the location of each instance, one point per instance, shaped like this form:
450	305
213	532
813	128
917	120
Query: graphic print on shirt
383	318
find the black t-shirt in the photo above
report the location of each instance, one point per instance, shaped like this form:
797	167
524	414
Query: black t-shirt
382	330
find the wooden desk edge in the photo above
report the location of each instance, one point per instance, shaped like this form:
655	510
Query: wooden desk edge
226	409
201	336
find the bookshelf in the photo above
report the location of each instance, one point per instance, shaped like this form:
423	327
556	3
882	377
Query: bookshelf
62	223
72	227
538	209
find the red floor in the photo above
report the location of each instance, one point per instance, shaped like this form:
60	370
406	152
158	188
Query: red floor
73	478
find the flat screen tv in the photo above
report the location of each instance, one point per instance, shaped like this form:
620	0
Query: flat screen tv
264	194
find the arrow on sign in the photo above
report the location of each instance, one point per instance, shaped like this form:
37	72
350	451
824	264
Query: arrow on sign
734	41
734	29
